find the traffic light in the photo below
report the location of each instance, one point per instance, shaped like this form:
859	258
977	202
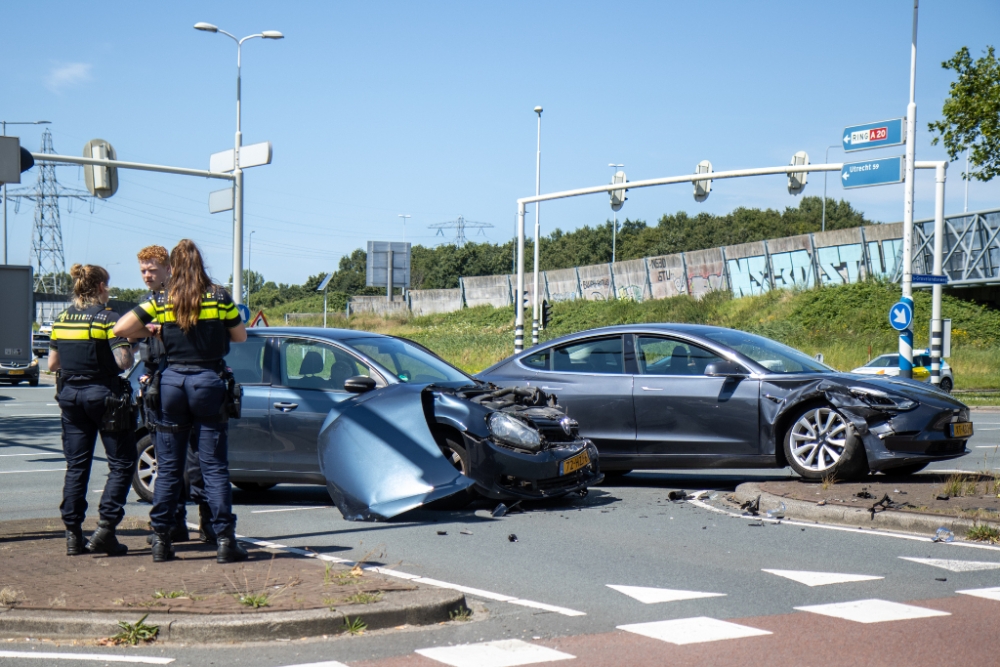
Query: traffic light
526	299
618	197
546	313
101	181
703	188
14	160
797	179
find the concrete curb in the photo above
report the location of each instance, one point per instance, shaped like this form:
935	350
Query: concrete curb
420	607
858	517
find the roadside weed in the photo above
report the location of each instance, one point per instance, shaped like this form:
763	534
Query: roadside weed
981	533
365	598
462	614
355	627
253	600
9	596
959	485
828	481
133	633
330	602
168	595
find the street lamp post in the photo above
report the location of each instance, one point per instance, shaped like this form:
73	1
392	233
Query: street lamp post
5	124
614	229
906	336
237	171
404	217
249	269
826	160
538	183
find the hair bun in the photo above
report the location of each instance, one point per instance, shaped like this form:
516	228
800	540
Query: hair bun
76	271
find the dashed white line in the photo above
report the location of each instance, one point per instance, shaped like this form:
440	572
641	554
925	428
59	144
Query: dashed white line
475	592
32	454
18	472
91	657
293	509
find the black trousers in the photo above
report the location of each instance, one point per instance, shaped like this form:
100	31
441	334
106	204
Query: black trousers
194	486
82	408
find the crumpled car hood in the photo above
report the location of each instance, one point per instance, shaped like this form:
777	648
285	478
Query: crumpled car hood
379	457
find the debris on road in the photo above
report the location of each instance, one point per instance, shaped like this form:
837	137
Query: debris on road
942	534
512	538
466	532
676	496
751	507
442	532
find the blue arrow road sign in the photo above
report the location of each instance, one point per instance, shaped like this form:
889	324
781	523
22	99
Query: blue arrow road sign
872	172
874	135
928	279
244	312
901	316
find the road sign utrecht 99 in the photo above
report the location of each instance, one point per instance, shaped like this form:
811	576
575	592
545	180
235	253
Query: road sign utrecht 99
872	172
873	135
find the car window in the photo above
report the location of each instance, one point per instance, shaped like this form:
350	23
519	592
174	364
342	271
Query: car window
884	361
408	361
539	360
665	356
603	355
922	360
247	360
772	355
310	364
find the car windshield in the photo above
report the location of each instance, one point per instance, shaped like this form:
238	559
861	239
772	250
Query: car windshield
770	354
885	361
408	361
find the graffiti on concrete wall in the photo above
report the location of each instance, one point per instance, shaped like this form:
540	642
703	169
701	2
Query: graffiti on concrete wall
884	257
840	264
748	275
792	269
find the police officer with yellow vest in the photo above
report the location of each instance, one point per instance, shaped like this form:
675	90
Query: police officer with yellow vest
197	321
94	399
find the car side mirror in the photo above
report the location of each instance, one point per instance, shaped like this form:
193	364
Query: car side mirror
725	369
359	384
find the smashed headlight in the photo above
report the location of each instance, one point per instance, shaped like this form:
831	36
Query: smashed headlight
883	400
513	432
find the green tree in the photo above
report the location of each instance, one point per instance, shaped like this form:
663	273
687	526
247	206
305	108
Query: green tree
972	113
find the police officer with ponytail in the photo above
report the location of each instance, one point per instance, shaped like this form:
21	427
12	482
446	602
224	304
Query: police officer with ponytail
87	359
197	321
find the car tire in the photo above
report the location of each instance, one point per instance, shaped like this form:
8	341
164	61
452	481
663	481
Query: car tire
946	384
253	487
33	383
821	443
613	476
144	478
456	453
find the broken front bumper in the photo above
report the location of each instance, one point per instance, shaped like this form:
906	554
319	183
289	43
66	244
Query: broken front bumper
504	473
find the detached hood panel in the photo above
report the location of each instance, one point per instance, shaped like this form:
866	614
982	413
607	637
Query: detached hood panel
379	457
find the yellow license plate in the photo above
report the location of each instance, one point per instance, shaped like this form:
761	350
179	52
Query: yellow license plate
573	464
15	372
961	430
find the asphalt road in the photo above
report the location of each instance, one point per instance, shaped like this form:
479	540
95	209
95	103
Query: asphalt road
551	588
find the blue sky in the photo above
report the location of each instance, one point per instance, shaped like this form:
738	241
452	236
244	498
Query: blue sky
425	108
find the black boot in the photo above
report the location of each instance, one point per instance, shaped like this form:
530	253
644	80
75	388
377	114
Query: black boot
74	541
178	533
162	549
229	549
206	534
104	540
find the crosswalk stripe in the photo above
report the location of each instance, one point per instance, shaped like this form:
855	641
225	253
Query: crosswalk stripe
872	611
89	657
820	578
696	630
653	595
500	653
955	565
987	593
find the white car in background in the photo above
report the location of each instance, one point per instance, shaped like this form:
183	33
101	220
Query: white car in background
888	364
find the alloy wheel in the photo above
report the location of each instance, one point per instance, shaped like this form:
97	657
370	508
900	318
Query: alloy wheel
146	468
818	439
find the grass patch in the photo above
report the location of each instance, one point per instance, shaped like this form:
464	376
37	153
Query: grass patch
355	627
133	633
846	323
828	481
365	598
959	485
463	614
981	533
168	595
9	596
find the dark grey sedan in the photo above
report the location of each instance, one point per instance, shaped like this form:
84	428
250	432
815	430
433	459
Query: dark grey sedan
696	396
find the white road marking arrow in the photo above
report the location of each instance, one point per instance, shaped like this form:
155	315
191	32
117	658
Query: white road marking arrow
654	595
899	315
821	578
955	565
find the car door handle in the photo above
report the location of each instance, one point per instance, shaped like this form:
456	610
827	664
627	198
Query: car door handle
286	407
652	388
